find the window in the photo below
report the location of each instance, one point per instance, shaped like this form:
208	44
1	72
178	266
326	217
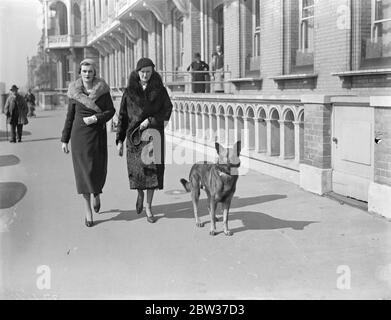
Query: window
299	19
256	29
375	33
252	41
381	21
220	25
76	19
306	25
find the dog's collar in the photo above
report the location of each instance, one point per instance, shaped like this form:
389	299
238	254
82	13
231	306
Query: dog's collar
226	169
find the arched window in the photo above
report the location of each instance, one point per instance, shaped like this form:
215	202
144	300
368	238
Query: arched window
76	19
58	19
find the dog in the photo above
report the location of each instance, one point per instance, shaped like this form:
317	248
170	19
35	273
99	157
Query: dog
219	182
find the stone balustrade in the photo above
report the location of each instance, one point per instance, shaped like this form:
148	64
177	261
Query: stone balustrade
270	130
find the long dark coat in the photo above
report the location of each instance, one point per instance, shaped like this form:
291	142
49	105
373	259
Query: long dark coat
145	161
16	110
88	143
196	77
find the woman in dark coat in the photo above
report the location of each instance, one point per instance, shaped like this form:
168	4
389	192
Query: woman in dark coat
90	107
145	109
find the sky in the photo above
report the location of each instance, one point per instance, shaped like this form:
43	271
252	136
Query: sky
21	24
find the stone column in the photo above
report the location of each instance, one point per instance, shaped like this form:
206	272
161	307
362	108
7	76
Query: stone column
246	138
211	130
257	129
236	128
297	140
191	115
203	133
268	137
315	170
226	130
100	66
196	124
180	116
282	138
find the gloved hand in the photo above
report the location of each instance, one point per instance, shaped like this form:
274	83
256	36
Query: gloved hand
64	147
120	148
144	124
90	120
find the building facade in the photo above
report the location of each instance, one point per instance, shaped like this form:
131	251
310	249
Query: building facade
306	83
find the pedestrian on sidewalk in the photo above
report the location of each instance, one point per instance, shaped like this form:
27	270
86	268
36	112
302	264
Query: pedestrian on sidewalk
30	100
145	110
16	112
90	107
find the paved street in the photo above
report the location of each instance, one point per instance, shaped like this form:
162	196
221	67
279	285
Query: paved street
287	243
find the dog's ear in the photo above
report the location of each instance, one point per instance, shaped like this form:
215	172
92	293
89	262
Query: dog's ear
219	148
238	147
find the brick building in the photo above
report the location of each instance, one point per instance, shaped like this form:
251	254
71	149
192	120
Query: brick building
306	82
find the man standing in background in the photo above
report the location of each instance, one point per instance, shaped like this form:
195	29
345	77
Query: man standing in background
218	68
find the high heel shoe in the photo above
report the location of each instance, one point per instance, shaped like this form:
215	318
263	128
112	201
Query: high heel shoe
96	203
151	219
89	224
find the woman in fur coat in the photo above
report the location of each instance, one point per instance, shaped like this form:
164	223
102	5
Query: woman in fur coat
144	112
90	107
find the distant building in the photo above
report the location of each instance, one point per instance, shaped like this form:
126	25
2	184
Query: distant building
304	81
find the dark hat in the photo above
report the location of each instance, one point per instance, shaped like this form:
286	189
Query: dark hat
197	55
144	62
14	88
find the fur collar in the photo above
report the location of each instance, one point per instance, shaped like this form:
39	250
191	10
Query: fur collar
155	85
77	92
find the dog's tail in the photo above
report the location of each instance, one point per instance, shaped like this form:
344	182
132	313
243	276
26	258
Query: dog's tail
185	184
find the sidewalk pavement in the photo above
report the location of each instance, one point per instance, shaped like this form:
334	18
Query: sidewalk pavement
287	243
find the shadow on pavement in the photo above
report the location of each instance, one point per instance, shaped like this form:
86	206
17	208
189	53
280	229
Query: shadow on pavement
9	160
11	193
42	117
3	134
251	220
43	139
260	221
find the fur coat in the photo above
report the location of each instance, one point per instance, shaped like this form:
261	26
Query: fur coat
76	91
138	104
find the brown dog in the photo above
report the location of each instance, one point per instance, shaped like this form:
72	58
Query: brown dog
219	182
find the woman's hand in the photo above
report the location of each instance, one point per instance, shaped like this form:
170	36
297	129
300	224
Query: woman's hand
120	148
64	147
90	120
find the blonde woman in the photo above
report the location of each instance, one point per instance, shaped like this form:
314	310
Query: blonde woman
90	107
